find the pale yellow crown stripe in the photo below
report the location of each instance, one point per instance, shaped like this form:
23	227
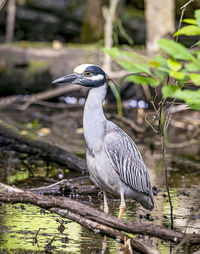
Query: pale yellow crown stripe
80	69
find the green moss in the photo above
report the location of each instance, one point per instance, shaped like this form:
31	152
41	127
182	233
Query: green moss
37	65
4	70
19	176
30	44
90	33
42	45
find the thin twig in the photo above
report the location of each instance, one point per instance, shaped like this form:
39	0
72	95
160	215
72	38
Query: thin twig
35	240
185	5
166	180
183	8
163	124
2	3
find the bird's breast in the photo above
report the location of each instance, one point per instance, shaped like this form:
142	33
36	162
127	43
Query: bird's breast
94	127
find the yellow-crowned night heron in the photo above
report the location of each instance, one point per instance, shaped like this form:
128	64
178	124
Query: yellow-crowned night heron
113	159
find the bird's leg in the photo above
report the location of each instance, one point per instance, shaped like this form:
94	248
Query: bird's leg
122	206
105	203
106	211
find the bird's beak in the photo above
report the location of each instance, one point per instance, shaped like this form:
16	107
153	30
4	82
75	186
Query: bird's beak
66	79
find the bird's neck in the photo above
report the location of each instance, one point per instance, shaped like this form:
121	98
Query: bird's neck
94	121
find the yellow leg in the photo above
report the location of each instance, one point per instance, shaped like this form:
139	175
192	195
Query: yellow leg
104	245
106	210
105	203
127	246
122	206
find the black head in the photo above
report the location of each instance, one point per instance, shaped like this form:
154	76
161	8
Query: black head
85	75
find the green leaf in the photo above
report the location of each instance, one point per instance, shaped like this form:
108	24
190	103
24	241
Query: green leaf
192	66
195	78
197	16
134	67
174	65
154	64
113	52
142	80
130	61
175	49
192	98
190	21
161	60
161	74
121	54
188	30
177	75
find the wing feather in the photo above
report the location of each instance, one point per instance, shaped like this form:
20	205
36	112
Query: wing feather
127	161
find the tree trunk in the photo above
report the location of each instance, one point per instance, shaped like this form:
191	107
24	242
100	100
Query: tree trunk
10	23
160	22
92	29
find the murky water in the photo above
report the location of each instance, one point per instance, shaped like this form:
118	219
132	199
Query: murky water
29	229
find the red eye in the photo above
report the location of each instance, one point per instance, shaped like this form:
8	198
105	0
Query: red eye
88	73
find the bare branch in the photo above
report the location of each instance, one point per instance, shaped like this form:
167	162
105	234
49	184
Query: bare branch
49	94
48	202
2	3
105	230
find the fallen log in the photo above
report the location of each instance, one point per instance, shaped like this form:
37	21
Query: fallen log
90	224
67	187
14	140
88	212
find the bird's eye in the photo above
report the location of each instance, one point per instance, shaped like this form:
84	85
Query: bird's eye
88	73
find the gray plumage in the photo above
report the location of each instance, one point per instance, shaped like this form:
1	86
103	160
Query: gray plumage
113	160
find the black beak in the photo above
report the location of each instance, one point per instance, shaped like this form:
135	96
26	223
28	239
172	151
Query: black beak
66	79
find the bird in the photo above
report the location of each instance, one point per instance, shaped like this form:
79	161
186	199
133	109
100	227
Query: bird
113	160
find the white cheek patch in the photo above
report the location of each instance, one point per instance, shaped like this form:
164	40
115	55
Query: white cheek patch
81	68
97	77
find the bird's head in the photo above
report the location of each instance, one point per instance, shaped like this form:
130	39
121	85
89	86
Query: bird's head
85	75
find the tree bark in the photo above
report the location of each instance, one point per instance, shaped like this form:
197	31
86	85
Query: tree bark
67	187
160	22
92	29
12	139
90	213
109	16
